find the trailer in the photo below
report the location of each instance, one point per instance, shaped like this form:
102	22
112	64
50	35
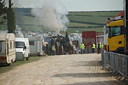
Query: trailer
7	48
88	38
36	46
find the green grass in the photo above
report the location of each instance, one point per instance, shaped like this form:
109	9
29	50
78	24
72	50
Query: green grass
6	68
100	13
71	24
92	17
89	21
71	30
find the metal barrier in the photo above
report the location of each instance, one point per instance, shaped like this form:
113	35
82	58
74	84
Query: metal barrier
116	63
88	50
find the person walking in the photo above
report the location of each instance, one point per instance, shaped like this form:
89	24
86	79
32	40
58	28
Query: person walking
82	47
53	49
93	48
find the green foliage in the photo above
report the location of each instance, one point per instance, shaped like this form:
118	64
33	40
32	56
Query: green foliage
3	11
11	20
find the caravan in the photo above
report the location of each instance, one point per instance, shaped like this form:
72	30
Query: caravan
35	46
22	48
7	48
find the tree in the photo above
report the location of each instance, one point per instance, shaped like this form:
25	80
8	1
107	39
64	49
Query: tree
3	12
11	19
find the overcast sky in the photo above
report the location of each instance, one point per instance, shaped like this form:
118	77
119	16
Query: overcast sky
93	5
78	5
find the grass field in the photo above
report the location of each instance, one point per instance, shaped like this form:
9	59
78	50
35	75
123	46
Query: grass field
72	30
89	21
81	21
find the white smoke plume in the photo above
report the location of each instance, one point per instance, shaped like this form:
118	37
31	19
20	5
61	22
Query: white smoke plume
52	15
20	34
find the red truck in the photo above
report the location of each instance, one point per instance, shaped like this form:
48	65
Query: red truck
88	38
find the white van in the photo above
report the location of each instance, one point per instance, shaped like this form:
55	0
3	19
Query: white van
36	46
7	48
22	48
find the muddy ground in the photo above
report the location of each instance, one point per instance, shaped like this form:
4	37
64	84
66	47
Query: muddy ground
60	70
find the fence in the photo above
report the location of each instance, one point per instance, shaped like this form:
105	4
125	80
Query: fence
116	63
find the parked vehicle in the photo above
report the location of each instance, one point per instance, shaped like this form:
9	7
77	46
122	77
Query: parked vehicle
22	48
115	30
35	46
7	48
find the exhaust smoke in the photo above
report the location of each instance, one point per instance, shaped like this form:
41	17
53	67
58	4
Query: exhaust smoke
52	15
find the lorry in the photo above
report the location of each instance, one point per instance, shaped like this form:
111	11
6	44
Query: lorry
36	45
7	48
114	33
117	30
22	48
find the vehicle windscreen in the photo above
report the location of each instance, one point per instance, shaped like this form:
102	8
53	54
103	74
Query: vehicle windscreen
20	44
0	46
115	31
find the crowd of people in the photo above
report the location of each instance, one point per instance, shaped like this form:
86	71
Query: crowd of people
98	46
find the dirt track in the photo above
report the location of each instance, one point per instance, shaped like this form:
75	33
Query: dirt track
60	70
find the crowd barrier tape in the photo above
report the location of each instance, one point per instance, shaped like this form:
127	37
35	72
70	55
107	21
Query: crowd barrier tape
116	63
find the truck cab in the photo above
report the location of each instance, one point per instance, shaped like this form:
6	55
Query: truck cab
115	40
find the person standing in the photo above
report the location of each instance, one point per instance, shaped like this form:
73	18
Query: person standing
82	47
98	47
53	49
102	46
93	48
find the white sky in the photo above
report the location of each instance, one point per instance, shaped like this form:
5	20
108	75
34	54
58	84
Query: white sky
78	5
93	5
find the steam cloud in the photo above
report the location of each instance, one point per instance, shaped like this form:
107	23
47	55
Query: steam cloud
52	15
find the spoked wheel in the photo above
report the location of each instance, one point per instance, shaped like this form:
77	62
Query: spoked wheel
57	48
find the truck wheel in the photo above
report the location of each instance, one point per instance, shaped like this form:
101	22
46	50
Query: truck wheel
57	48
27	58
73	51
22	57
61	50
